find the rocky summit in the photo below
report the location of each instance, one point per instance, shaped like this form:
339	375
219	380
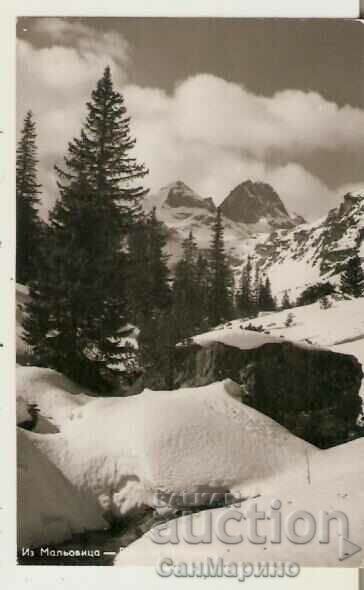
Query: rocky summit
257	203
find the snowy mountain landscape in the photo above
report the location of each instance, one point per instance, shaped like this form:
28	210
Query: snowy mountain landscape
190	299
249	209
316	251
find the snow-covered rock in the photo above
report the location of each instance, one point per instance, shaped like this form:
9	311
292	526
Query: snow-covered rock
334	481
126	450
50	508
311	390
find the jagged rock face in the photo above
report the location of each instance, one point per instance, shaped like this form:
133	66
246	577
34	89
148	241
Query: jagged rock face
250	202
182	210
180	195
313	252
313	392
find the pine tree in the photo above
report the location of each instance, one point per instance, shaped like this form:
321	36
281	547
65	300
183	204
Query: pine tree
221	306
185	289
148	273
149	290
266	301
78	311
245	297
160	291
28	224
256	290
286	302
203	282
352	279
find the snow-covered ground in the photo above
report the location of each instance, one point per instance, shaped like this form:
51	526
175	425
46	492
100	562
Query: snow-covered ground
114	455
334	481
340	323
55	395
50	508
126	450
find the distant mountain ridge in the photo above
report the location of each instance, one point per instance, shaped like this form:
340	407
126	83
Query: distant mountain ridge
249	209
313	252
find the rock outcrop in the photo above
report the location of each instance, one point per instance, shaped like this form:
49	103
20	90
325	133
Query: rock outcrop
311	391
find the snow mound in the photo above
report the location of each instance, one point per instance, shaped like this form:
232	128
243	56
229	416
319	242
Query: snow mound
125	450
50	509
335	483
55	395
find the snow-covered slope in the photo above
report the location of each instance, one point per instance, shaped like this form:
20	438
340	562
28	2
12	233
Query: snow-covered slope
313	252
341	322
50	509
334	481
125	450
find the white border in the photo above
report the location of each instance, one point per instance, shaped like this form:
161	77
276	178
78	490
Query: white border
12	576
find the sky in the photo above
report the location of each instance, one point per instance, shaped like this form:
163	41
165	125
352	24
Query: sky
213	102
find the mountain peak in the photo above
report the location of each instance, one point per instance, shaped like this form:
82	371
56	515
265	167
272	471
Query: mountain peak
179	194
251	202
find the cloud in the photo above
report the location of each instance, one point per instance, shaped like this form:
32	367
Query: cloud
214	134
209	132
56	79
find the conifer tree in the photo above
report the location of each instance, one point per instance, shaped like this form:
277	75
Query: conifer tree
28	224
286	302
266	300
245	298
203	282
352	279
185	293
221	306
78	310
160	291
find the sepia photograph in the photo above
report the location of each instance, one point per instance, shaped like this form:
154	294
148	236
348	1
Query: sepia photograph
190	294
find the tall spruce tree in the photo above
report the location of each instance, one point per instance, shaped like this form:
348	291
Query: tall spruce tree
28	224
203	282
266	299
149	290
78	301
286	302
185	290
160	291
352	279
245	297
221	306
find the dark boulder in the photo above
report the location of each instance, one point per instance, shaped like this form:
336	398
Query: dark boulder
312	391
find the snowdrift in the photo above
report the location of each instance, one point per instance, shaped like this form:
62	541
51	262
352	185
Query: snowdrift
55	395
125	450
50	509
335	482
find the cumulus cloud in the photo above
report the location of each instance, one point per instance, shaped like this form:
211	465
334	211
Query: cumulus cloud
56	79
210	133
